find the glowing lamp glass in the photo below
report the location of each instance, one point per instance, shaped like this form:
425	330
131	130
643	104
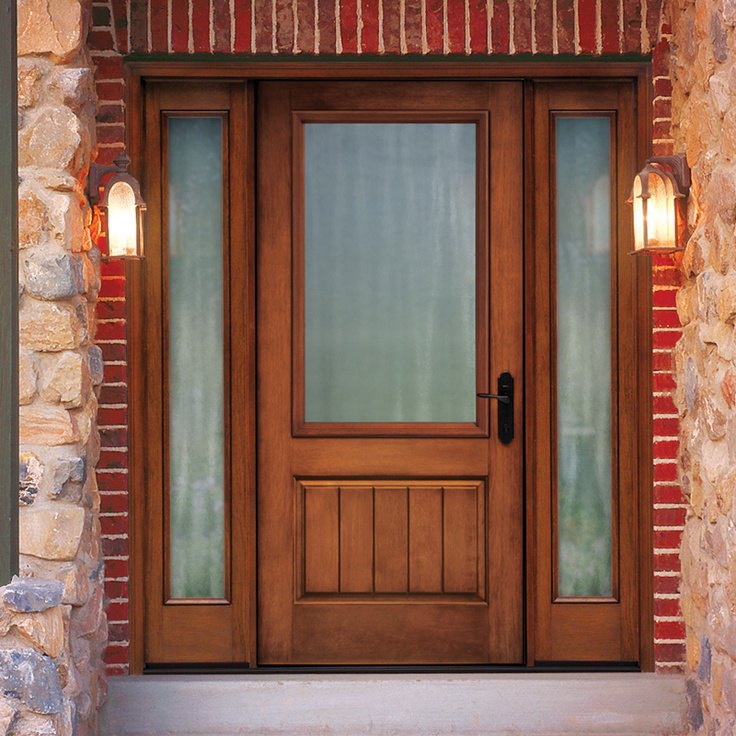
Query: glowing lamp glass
124	220
653	198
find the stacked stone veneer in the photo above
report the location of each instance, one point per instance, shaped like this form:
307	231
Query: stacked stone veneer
704	124
56	648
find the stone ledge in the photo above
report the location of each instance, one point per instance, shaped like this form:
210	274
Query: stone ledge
528	704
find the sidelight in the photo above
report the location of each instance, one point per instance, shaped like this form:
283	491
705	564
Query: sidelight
584	434
195	358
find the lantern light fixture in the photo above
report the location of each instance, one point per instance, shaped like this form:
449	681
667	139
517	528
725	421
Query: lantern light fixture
658	197
118	195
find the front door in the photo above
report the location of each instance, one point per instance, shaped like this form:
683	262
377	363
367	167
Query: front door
389	267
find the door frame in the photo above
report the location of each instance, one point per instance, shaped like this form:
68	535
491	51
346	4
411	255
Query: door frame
139	71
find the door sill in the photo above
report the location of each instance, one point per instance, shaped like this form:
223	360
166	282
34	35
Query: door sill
532	704
275	670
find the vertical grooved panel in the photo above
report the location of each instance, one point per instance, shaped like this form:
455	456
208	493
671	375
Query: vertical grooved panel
425	540
391	540
356	540
321	540
460	510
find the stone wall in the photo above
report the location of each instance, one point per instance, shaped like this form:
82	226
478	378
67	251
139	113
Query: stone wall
60	368
35	669
704	125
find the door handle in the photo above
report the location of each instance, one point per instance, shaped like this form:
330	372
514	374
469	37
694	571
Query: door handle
505	398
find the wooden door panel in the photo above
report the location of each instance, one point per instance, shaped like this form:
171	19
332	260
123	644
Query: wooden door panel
376	545
381	539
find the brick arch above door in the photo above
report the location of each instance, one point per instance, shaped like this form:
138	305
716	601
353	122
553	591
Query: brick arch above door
393	28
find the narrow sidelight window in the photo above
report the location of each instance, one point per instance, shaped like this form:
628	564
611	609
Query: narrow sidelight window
195	358
583	275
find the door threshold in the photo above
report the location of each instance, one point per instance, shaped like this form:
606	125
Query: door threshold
494	669
482	704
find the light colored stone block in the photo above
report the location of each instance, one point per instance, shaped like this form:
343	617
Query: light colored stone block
52	139
27	376
49	327
32	220
52	531
42	424
54	27
64	379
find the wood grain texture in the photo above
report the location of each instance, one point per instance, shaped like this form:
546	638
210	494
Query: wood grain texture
214	630
425	540
387	624
391	540
561	623
345	457
322	540
356	540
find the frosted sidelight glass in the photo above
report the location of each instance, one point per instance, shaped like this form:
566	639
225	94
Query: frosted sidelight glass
584	473
196	376
390	237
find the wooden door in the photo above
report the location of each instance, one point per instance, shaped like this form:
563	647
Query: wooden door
389	513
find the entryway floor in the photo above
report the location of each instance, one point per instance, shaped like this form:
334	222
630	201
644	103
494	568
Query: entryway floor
629	704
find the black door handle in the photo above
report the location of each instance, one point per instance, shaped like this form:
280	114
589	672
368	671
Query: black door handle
505	398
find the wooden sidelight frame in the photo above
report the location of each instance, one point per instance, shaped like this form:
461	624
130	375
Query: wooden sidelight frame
585	628
237	76
215	628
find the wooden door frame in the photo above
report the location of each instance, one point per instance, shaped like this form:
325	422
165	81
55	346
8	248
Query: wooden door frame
139	71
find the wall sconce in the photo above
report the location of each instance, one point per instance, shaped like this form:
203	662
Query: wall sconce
658	195
118	195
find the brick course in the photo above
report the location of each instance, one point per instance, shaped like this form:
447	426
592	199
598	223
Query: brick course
396	27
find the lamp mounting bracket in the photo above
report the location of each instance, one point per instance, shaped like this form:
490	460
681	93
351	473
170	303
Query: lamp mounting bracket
678	167
97	172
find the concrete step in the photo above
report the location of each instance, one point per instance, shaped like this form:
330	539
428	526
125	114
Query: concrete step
628	704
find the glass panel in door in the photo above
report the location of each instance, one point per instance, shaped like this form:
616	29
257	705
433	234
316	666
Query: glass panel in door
390	260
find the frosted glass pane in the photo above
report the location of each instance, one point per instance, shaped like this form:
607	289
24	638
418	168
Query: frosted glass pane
584	355
390	272
196	419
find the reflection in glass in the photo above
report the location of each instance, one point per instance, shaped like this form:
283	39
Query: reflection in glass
584	473
196	419
390	272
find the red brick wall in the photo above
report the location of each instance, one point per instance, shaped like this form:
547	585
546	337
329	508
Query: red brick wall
378	27
669	503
